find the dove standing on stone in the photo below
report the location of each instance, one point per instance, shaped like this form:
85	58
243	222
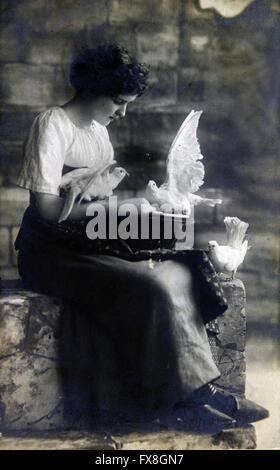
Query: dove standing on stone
89	184
227	258
184	172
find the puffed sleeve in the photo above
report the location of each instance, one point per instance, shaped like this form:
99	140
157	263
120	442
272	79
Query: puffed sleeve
50	136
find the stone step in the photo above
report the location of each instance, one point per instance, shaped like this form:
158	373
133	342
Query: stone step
165	440
31	393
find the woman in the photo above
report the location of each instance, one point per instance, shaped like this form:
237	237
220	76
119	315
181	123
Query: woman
133	341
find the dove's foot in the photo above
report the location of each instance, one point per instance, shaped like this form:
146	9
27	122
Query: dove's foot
225	278
240	409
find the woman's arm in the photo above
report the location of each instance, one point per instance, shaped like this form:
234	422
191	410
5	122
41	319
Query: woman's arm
50	206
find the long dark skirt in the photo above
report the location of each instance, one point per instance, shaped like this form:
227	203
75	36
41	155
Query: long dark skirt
133	339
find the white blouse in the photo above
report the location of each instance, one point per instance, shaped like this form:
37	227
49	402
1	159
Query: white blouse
54	141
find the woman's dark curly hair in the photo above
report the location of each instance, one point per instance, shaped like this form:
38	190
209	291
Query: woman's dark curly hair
108	70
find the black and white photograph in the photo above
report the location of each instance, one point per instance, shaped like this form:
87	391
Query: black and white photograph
139	227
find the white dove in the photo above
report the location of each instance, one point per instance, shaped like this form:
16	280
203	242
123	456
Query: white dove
184	172
168	200
227	258
89	184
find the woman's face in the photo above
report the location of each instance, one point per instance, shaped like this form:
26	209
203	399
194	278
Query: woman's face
106	109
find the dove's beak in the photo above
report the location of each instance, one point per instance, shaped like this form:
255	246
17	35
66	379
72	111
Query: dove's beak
127	174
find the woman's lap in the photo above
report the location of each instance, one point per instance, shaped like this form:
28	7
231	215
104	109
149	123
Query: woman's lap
138	335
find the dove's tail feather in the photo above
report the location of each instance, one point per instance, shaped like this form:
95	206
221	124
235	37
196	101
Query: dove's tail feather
236	230
244	248
69	203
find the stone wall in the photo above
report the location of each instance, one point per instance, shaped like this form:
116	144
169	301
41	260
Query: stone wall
200	60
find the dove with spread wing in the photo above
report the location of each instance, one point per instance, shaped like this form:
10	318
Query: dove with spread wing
227	258
185	172
88	184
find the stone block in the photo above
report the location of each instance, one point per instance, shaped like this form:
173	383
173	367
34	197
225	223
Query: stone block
10	50
9	272
237	48
190	85
30	392
47	49
13	319
4	246
62	90
148	11
164	41
43	327
233	322
232	80
232	376
60	15
13	122
155	131
121	33
228	347
238	438
197	40
163	91
10	161
13	202
31	396
59	50
24	84
30	376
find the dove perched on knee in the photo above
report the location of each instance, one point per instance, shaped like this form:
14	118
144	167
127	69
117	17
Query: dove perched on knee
185	172
227	258
88	184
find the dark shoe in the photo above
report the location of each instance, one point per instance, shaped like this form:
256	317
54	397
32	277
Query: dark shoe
248	411
207	417
199	418
241	409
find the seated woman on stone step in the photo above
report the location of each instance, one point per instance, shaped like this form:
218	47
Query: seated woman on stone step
133	341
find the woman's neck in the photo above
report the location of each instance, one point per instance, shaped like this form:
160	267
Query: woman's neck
78	112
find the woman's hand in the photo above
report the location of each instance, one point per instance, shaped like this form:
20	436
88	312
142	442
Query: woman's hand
141	204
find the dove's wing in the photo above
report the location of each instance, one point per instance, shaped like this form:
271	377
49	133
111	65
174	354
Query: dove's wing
71	195
93	176
184	148
74	175
227	258
83	177
244	249
231	263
